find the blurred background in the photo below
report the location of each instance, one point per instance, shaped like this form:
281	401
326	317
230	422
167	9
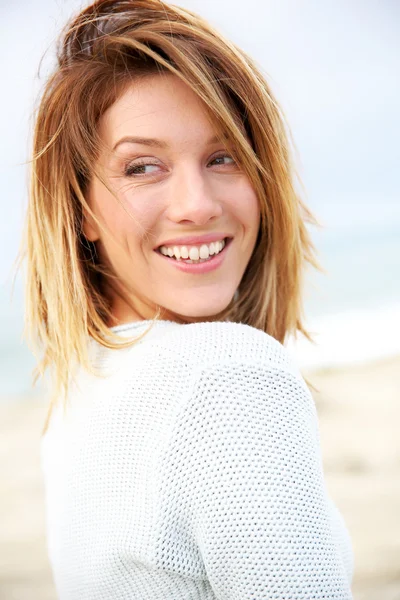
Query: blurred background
333	66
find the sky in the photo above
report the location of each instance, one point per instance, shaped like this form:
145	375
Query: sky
333	65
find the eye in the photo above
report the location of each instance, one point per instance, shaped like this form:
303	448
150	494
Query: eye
220	160
141	168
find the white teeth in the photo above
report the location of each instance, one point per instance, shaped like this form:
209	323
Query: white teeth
193	253
204	253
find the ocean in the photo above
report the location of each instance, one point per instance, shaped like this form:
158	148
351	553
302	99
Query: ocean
352	311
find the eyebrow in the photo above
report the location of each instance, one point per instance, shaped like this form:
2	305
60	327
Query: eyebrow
155	143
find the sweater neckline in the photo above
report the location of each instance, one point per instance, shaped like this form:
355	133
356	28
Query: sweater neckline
138	324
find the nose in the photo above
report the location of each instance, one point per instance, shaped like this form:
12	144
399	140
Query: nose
192	197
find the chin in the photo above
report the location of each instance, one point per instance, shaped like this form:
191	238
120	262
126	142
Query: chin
199	310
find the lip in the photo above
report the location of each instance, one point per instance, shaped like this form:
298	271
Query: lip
195	240
199	268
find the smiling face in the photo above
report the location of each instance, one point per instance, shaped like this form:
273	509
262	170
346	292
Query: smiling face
178	190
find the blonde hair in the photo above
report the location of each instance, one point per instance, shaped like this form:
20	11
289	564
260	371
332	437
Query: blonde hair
107	46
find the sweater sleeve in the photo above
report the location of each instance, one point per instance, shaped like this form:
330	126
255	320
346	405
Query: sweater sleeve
250	473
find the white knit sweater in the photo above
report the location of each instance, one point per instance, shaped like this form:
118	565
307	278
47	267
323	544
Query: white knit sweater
192	471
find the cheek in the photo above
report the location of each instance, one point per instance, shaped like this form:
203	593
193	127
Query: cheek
128	216
247	206
254	207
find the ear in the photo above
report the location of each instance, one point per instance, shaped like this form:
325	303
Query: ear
89	227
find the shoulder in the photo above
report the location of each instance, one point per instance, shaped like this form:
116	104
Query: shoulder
238	372
212	344
232	367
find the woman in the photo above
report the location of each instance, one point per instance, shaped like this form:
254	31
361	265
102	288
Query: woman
165	250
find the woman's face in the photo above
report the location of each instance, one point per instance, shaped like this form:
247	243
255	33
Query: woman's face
180	191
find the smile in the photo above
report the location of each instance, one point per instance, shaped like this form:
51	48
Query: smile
194	253
195	263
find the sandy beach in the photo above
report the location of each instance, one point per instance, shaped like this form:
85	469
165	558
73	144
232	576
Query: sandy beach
359	412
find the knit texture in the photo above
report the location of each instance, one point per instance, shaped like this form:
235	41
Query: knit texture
192	471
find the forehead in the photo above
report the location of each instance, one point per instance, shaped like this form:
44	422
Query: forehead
158	106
